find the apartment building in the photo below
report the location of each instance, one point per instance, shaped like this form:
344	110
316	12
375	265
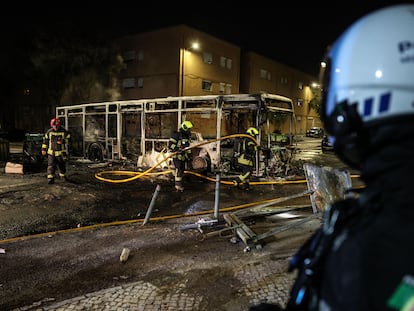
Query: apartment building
177	61
167	62
183	61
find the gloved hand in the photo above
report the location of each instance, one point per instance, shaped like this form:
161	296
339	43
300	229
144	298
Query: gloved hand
184	145
64	156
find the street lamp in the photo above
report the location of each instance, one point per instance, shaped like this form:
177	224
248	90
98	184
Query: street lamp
183	54
321	71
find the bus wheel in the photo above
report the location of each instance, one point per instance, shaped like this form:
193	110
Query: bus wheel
95	152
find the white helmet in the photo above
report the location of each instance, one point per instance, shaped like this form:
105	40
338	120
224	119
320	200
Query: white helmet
370	74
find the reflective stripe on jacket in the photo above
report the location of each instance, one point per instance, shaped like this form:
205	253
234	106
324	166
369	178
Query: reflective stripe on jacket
177	142
248	150
56	142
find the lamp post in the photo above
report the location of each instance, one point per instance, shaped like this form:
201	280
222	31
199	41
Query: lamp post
321	72
181	82
183	54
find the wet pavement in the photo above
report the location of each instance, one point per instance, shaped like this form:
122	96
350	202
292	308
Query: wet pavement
262	282
262	279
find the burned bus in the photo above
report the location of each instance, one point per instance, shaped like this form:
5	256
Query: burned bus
138	130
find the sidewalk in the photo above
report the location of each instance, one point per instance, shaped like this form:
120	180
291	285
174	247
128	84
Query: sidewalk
260	281
254	276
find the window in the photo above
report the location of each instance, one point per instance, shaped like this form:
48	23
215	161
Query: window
229	63
140	83
226	62
128	83
206	85
225	88
222	61
228	88
264	74
207	58
222	87
140	55
129	56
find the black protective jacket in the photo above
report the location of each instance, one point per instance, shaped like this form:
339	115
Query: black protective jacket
178	141
360	255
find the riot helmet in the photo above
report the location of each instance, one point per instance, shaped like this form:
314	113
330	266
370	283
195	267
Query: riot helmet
368	79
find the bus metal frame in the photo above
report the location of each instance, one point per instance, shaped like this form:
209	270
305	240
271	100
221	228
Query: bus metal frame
139	130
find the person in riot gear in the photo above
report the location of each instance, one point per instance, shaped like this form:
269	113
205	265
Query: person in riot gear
179	143
55	145
245	152
362	257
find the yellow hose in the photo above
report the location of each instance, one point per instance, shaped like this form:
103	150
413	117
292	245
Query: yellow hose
137	175
132	221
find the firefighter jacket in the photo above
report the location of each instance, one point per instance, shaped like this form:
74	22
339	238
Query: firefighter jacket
56	143
245	151
179	141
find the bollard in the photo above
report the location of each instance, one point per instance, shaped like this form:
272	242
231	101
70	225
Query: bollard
124	254
149	211
217	198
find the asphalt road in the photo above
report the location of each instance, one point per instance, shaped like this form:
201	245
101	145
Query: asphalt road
73	263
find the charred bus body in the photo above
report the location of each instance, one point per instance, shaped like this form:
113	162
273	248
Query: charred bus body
139	130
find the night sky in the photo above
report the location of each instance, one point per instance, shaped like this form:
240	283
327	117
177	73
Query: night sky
296	36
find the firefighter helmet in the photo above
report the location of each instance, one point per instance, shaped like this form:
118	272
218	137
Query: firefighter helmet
252	131
55	122
186	125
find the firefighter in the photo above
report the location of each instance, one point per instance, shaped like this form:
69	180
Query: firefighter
180	140
55	144
245	151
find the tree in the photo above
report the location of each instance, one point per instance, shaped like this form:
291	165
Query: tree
72	69
316	101
316	104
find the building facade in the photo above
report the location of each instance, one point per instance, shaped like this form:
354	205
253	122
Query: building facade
167	62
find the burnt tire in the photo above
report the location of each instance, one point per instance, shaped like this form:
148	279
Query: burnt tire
96	152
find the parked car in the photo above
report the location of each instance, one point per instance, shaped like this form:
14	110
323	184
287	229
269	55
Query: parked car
327	144
316	132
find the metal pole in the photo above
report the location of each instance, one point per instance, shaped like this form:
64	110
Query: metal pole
182	68
149	211
217	198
